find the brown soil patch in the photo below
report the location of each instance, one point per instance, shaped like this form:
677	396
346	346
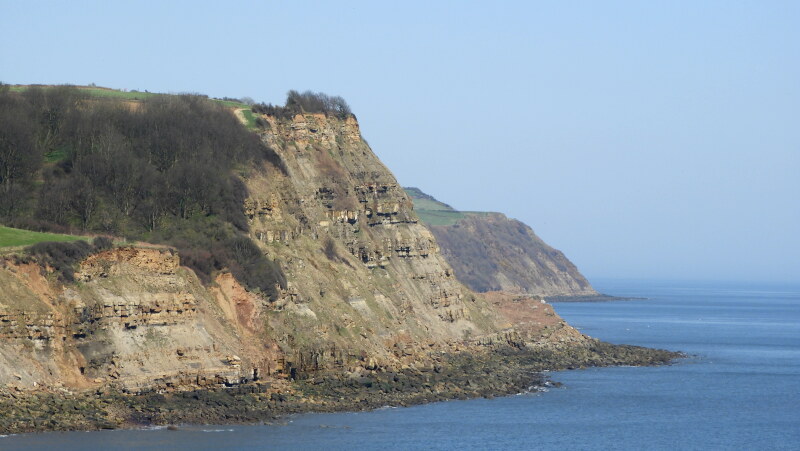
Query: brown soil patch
237	303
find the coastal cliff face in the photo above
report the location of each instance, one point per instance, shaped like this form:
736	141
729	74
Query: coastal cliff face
134	318
491	252
367	311
364	276
367	289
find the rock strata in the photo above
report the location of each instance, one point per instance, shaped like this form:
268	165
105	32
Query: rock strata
371	312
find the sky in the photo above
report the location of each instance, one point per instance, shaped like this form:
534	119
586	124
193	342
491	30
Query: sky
643	139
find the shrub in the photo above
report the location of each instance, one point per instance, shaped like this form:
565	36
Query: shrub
61	256
329	249
101	243
209	245
306	102
250	267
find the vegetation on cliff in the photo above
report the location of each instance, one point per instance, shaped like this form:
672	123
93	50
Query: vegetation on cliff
162	169
306	102
63	256
371	313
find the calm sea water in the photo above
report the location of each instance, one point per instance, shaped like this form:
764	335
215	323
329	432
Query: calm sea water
741	390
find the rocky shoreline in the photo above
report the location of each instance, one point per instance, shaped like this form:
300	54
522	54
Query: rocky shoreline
592	298
501	372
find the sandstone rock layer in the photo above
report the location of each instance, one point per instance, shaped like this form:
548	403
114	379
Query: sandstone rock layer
367	289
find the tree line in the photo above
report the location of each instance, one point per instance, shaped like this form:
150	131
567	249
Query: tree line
306	102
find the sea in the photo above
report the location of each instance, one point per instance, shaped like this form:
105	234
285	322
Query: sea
739	389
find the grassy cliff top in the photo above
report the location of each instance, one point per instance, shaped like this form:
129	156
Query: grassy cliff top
434	212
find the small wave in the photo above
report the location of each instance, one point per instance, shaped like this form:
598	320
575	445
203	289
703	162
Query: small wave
216	430
532	390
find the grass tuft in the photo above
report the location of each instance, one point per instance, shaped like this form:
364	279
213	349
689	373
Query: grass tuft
250	118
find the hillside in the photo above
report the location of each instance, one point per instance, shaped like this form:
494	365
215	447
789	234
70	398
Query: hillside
267	271
490	252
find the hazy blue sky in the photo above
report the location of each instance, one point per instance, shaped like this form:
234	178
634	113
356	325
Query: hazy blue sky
644	139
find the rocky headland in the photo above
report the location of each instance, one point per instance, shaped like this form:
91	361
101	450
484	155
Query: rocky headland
365	310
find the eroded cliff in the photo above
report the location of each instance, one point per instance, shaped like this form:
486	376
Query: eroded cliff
134	319
491	252
364	275
371	312
367	287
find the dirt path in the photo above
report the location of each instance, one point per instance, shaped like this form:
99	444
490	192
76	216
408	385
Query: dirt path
239	112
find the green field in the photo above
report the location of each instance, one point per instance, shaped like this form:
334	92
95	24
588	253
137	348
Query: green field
434	212
428	204
250	118
439	217
445	218
424	201
17	237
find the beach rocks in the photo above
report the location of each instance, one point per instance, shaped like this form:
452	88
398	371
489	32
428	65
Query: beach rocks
455	376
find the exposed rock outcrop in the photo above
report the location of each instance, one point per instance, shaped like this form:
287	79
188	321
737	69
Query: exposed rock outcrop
363	274
366	287
135	319
371	312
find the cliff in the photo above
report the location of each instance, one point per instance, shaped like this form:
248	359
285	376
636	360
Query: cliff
366	311
366	288
490	252
364	277
134	319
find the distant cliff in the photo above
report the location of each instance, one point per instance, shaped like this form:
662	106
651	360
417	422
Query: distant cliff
490	252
